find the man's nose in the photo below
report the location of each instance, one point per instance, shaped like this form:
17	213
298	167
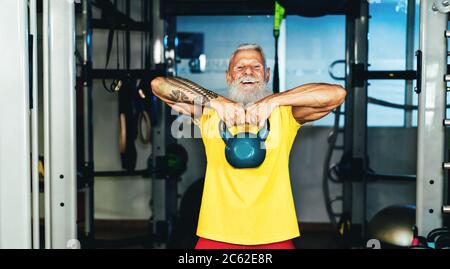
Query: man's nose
248	70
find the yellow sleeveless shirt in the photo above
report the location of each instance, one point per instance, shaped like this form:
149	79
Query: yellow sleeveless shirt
249	206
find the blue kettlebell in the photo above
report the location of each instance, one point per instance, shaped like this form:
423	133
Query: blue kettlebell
245	149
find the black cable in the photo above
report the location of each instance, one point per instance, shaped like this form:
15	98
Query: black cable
276	76
326	168
108	54
124	41
79	57
389	104
117	44
147	42
116	84
142	36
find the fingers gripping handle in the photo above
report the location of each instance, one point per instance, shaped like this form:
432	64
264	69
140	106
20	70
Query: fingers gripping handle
226	135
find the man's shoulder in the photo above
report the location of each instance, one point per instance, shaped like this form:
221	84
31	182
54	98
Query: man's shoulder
284	111
287	115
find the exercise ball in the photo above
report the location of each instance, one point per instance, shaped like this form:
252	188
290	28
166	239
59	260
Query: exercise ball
393	225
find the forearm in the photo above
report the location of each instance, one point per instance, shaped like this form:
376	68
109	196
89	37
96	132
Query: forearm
313	95
180	90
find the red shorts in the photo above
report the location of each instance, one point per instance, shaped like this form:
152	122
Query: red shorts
210	244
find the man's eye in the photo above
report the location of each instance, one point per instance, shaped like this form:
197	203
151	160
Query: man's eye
239	68
256	67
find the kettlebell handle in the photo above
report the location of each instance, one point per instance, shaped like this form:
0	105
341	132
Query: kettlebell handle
263	133
224	132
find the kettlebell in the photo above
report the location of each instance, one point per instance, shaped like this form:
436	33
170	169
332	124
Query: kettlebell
245	149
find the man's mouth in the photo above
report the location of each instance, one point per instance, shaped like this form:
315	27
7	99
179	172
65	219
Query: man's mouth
249	82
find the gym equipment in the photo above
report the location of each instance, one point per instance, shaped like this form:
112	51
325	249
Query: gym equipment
446	209
436	239
418	242
439	238
245	150
176	160
314	8
393	225
442	6
146	109
128	124
443	241
183	235
191	47
144	127
278	18
331	67
137	114
436	233
172	165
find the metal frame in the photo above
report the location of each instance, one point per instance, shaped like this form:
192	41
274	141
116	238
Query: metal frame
359	126
409	52
59	123
45	53
89	74
247	7
34	125
15	191
164	201
158	201
431	113
88	148
355	128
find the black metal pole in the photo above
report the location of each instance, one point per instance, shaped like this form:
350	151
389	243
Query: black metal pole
88	166
128	38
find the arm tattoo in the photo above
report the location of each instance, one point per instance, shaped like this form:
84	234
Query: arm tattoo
180	88
178	96
197	88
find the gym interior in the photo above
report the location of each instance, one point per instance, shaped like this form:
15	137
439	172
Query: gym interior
91	158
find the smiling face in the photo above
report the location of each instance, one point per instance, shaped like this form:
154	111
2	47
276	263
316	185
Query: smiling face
247	76
247	69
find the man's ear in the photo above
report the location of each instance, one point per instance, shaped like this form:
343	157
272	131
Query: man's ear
228	77
267	74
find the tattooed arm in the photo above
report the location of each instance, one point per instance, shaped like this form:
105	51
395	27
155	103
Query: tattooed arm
184	95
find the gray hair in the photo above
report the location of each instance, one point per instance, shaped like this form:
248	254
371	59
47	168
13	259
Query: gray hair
246	46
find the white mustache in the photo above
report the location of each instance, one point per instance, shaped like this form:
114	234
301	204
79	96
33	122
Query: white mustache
246	97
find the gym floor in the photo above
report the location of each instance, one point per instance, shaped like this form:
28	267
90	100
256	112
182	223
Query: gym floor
129	235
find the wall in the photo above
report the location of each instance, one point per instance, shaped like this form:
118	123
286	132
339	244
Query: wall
389	151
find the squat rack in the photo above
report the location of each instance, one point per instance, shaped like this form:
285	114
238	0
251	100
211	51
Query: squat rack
431	144
156	28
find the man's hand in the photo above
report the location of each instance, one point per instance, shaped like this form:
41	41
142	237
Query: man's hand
259	112
230	112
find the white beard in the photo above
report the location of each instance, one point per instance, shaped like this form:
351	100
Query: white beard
247	96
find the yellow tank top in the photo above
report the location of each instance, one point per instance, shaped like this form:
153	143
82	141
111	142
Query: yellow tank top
249	206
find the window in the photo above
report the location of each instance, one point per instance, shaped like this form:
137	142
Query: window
312	44
222	34
308	49
387	51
